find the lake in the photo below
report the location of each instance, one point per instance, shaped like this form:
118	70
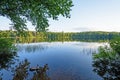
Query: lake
65	60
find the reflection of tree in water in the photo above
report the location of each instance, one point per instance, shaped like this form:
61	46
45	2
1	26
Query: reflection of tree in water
40	73
107	64
1	76
7	59
31	48
22	70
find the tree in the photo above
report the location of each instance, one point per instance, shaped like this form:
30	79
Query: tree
36	11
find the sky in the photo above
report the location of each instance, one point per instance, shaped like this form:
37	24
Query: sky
86	15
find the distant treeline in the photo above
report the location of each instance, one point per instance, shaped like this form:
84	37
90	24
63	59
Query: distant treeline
60	36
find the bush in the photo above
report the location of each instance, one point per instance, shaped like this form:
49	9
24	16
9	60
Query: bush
115	44
6	45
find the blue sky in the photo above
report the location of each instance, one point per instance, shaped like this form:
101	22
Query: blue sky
86	15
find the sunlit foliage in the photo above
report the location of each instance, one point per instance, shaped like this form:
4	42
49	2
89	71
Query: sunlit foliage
106	62
36	11
6	46
115	44
32	36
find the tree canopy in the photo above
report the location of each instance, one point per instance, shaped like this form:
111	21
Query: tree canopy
36	11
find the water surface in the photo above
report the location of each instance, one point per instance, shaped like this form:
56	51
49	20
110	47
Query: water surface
66	60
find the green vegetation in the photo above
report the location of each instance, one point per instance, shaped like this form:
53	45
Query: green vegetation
22	69
36	11
6	46
106	62
32	36
105	53
6	60
115	44
21	72
7	52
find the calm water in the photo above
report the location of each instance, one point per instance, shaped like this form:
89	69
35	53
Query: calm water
66	61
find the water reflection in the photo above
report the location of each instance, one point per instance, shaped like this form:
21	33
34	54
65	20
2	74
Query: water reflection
22	72
7	59
57	39
1	76
67	61
6	62
107	64
31	48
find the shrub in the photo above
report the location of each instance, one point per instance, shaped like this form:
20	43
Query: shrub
6	45
115	44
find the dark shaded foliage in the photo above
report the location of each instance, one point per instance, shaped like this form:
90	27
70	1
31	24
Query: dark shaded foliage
6	60
7	52
21	72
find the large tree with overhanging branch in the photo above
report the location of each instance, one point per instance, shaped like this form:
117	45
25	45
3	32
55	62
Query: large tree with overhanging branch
36	11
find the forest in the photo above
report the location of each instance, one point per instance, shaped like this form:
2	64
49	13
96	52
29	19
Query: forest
32	36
